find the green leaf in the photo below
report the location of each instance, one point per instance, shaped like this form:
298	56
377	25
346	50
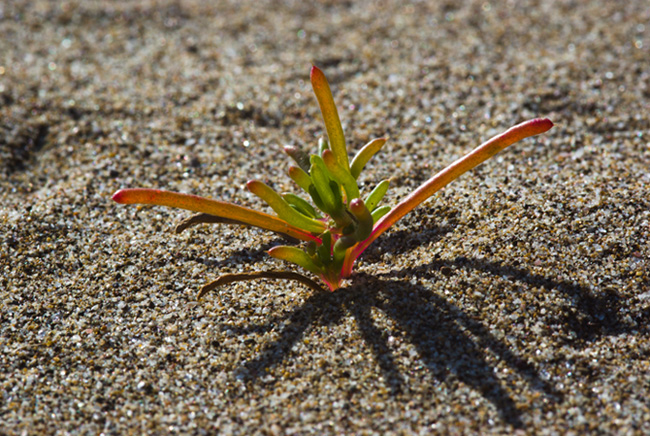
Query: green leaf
318	201
349	229
321	180
301	178
325	250
341	246
301	205
380	212
284	209
377	194
364	219
298	155
322	145
342	175
335	189
211	207
311	248
295	255
364	155
330	116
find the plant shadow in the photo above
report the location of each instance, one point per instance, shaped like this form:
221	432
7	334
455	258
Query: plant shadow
448	340
589	316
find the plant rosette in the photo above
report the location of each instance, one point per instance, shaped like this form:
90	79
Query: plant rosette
333	222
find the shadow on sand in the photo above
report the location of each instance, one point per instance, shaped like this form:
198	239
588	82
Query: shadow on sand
447	339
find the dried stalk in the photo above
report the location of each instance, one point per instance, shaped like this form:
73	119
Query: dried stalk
240	277
206	218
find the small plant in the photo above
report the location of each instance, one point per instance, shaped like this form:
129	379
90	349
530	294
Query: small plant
343	223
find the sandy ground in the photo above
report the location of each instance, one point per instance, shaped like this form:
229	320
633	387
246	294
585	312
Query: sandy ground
517	300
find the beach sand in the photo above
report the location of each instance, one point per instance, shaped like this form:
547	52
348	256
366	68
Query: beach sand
516	300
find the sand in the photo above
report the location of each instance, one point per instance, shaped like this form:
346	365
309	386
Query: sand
516	300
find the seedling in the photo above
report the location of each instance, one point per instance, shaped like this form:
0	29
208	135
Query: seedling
339	223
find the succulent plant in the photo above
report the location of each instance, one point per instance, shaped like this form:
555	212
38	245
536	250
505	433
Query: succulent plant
339	222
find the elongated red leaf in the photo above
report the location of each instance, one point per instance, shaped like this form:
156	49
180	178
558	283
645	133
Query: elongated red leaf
452	172
212	207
